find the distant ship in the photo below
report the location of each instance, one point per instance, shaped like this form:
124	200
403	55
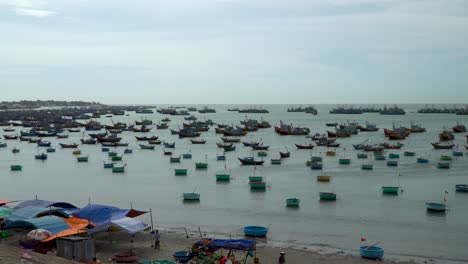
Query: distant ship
395	110
344	110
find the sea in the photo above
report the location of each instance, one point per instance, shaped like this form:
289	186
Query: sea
398	223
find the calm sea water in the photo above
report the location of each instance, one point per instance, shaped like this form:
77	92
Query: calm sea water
400	223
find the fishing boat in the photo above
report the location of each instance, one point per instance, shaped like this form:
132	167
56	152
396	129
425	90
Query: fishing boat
461	187
114	144
250	144
330	153
422	160
362	156
331	124
390	190
323	178
284	129
234	132
393	156
198	141
292	202
220	157
180	172
61	136
174	159
390	146
285	154
34	140
151	147
162	126
16	167
276	161
344	161
255	231
41	156
108	165
457	153
375	148
10	137
368	128
309	146
436	207
395	110
154	142
316	166
119	169
250	161
409	154
128	151
193	196
116	158
82	159
446	135
367	167
201	165
459	128
89	141
9	130
223	177
187	155
392	163
395	136
259	147
169	145
445	157
230	140
371	252
44	144
224	145
167	153
50	150
327	196
145	138
416	128
443	165
142	129
76	152
15	150
68	145
74	130
440	145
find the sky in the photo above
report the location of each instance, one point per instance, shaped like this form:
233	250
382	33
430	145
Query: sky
235	51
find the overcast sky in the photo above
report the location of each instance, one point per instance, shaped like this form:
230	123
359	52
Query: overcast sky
235	51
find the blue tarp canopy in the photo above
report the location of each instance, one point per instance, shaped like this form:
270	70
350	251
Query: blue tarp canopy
126	224
229	244
43	203
101	214
53	224
37	211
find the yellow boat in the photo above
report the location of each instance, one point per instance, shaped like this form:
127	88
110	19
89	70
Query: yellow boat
76	152
323	178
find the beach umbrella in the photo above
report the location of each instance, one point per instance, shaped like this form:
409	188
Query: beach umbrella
39	234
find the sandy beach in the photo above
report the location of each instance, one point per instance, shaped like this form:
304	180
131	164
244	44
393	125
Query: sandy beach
107	243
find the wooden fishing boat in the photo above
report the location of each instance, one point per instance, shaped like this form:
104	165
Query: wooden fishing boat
61	136
409	154
259	147
82	159
436	207
323	178
116	158
154	142
15	150
330	153
393	156
174	159
9	130
255	231
276	161
234	133
89	141
223	177
220	157
292	202
187	155
250	161
250	144
389	146
16	167
371	252
162	126
331	124
108	165
344	161
392	163
151	147
310	146
459	128
285	154
142	129
201	165
316	166
367	167
198	141
193	196
34	140
443	165
327	196
41	156
445	157
169	145
440	145
223	145
362	156
10	137
73	130
145	138
167	153
50	150
68	145
180	172
457	153
461	187
128	151
373	148
260	185
114	144
230	140
396	136
390	190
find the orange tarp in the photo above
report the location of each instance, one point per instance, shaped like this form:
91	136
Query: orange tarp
2	202
76	227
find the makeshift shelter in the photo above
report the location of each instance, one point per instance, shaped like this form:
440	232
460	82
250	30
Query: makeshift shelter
43	203
101	214
53	224
77	226
35	211
126	224
76	248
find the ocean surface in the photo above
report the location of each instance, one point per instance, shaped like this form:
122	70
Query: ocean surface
400	223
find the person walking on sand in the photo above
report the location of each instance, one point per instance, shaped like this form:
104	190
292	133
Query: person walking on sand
282	259
157	239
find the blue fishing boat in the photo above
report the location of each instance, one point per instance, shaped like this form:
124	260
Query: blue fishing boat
457	153
128	151
392	163
187	156
42	156
220	157
461	187
371	252
316	166
105	149
108	165
43	144
422	160
255	231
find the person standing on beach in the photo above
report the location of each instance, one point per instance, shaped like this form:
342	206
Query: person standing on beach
157	239
282	259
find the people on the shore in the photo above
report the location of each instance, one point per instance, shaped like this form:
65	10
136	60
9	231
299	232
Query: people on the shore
157	239
282	259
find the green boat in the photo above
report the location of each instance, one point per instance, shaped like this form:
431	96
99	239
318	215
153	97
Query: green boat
257	185
191	196
82	159
362	156
116	158
367	167
150	147
112	154
443	165
255	179
262	154
436	207
393	156
16	167
390	190
105	149
316	159
187	156
201	165
179	172
118	169
344	161
50	150
174	159
230	148
327	196
223	177
445	158
292	202
15	150
276	161
379	156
